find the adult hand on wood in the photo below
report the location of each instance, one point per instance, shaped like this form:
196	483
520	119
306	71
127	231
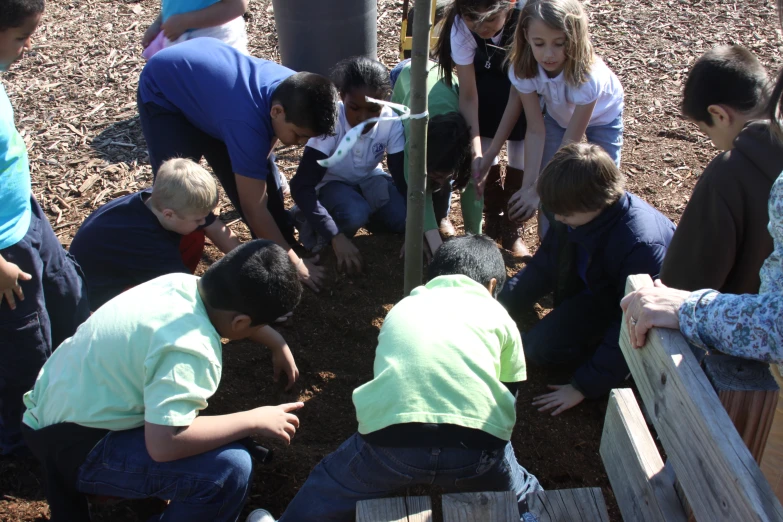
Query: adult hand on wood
652	307
10	276
561	399
523	204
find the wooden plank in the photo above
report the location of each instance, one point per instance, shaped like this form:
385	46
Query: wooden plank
717	472
492	506
569	505
750	395
398	509
644	491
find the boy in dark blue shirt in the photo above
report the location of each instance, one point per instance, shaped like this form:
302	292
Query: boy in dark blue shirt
601	235
139	237
203	98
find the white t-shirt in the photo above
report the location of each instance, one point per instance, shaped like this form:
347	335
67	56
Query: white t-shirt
560	99
463	45
363	160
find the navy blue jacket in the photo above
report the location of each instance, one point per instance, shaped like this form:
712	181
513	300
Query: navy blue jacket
630	237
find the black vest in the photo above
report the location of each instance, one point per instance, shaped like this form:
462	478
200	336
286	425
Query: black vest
492	81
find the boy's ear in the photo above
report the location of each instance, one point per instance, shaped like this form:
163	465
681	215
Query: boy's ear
276	111
720	115
168	213
493	283
240	323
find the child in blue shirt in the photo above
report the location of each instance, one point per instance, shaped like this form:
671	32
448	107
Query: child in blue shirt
333	203
205	99
42	295
151	233
183	20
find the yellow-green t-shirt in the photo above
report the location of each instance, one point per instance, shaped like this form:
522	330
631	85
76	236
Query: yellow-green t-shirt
443	355
150	354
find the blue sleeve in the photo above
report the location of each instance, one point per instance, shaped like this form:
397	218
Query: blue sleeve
532	282
307	177
248	149
607	368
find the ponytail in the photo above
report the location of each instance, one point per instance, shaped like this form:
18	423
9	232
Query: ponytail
443	47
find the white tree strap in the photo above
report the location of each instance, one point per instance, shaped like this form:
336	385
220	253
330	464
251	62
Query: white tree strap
351	138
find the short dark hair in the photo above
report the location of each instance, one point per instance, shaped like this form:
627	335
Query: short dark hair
474	256
581	177
726	75
13	13
360	72
309	101
257	279
449	151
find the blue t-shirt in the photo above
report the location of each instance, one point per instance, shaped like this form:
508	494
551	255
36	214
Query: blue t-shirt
172	7
122	244
221	91
15	189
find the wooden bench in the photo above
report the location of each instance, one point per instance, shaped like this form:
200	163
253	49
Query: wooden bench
563	505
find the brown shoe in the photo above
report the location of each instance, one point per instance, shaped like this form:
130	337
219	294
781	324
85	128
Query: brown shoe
494	203
511	232
446	228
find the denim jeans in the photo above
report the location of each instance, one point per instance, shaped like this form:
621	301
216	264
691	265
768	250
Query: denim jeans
209	487
361	471
609	137
55	304
352	207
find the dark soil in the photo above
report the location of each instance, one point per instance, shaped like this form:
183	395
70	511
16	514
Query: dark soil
75	102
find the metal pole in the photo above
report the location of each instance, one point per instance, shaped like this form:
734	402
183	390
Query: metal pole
417	166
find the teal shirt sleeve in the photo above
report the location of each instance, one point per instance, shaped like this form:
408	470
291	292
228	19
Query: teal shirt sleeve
179	382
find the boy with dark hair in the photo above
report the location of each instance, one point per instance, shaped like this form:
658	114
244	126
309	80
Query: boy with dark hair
602	234
441	406
448	157
722	238
204	98
116	410
42	295
142	236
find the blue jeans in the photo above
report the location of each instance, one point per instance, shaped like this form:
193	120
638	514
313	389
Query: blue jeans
209	487
609	137
360	471
55	304
352	207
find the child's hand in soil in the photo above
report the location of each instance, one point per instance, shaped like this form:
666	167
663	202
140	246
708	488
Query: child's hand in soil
311	274
10	276
283	363
277	421
564	397
175	26
348	256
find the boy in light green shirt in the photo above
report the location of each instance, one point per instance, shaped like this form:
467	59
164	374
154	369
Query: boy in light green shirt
441	406
115	410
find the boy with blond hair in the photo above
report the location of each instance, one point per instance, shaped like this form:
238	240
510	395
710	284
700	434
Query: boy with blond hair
154	232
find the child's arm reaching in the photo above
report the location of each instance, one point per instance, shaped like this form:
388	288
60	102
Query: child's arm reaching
282	358
222	236
218	13
10	276
469	107
510	117
205	433
578	124
524	203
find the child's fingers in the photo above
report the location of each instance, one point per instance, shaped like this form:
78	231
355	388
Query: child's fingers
24	276
291	406
9	295
292	419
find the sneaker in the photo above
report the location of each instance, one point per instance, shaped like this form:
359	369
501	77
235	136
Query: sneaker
260	515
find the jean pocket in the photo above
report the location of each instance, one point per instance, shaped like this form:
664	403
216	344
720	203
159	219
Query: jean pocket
369	469
491	473
23	349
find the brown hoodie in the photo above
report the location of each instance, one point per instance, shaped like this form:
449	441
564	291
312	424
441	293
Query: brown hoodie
722	238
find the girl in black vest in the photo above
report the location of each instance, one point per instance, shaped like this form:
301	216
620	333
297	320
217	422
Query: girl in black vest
475	37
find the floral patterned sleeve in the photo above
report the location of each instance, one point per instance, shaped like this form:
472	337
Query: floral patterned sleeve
749	326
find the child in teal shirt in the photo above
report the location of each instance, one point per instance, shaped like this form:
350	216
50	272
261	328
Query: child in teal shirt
441	406
42	295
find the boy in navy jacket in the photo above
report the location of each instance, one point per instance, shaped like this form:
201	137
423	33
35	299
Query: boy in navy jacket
603	234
